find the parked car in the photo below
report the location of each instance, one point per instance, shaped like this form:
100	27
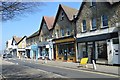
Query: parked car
7	55
4	55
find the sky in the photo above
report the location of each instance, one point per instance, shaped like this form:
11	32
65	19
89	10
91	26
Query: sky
27	25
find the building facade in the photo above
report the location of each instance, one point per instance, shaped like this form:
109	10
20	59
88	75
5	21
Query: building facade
32	49
63	34
45	37
97	34
19	45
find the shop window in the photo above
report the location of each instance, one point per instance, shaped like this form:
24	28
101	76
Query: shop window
84	25
104	21
82	50
66	48
102	49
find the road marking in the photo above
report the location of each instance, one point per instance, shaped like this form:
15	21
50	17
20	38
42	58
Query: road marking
83	70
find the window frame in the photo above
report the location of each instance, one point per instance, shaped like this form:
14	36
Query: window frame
62	16
103	21
84	25
68	30
93	24
62	32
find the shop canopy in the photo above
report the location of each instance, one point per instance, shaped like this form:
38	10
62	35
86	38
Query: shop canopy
97	37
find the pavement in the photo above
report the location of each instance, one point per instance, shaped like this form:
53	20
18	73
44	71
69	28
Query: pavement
115	70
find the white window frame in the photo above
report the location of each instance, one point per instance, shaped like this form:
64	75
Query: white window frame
102	21
92	24
83	28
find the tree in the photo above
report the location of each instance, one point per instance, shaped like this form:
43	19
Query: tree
10	10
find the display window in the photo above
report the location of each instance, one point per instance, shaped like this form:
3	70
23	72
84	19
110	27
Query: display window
66	48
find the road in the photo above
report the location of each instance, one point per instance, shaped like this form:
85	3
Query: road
65	72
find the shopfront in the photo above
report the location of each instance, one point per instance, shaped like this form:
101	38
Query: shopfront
65	50
95	47
34	52
46	50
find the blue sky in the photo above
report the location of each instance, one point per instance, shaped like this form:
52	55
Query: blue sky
26	25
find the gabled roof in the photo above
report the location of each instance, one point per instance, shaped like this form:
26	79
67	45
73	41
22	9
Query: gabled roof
17	39
49	21
69	12
34	34
112	2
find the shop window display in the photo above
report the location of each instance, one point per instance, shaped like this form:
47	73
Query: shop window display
66	48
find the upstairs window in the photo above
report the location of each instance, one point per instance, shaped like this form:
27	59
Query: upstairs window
57	33
62	32
68	31
104	21
93	23
84	25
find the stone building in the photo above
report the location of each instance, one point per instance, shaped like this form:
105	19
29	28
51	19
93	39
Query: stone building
97	33
63	34
45	38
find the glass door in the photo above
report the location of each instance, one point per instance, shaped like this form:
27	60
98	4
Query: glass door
90	51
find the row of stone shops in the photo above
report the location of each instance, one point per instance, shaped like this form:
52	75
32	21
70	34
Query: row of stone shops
40	51
102	48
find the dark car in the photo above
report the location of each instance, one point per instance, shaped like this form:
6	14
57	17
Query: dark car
4	55
9	55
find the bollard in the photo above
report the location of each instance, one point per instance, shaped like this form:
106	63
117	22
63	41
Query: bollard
45	60
94	66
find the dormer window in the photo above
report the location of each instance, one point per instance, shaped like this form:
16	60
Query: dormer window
62	15
93	3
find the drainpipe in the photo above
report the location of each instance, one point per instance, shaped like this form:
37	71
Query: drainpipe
75	33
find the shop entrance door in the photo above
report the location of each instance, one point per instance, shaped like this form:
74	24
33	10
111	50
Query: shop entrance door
90	51
65	55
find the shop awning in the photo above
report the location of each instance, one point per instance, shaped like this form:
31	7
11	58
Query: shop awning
97	37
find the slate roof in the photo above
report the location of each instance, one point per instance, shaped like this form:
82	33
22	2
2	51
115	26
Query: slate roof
17	39
49	21
109	1
70	12
34	34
